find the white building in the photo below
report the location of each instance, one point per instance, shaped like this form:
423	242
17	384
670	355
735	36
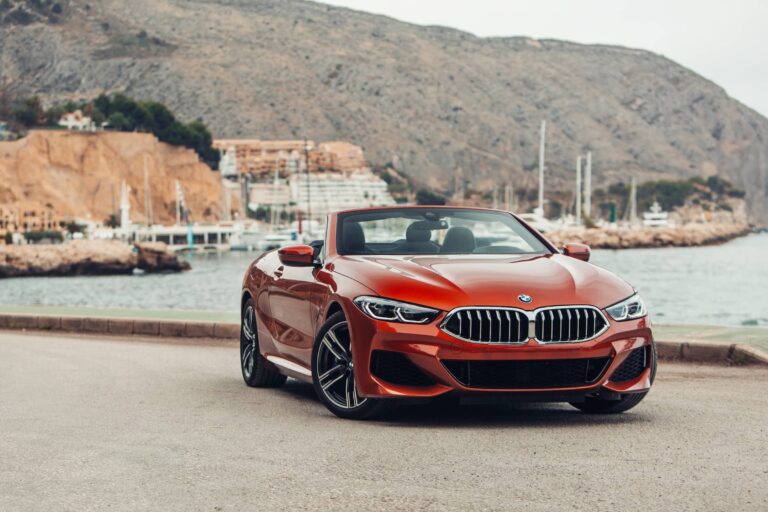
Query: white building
228	163
77	121
5	134
330	191
270	194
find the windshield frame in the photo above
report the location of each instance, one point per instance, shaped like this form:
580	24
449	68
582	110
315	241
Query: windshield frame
387	212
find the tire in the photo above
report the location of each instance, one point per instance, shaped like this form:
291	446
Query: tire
626	402
333	373
256	371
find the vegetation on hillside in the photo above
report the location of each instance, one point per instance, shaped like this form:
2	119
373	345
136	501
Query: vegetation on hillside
136	45
122	114
26	12
710	193
405	189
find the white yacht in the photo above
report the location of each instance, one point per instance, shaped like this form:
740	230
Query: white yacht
656	217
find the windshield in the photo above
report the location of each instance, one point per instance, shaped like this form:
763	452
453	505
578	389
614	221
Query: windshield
416	231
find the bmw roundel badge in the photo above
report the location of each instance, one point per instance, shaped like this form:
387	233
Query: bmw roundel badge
525	299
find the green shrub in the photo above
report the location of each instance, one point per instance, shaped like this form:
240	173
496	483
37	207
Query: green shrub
34	237
126	114
427	197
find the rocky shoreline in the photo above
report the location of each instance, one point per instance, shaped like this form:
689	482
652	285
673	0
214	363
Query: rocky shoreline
87	258
688	235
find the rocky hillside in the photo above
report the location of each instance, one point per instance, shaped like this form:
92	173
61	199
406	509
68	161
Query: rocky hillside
79	175
430	100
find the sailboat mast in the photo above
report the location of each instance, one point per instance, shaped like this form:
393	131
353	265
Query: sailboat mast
578	190
588	187
147	196
178	203
309	200
542	146
633	202
125	208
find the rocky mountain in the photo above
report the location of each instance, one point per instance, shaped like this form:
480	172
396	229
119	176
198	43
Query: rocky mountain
429	100
79	175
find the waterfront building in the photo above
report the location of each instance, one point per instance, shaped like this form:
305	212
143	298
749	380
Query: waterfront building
327	192
260	157
334	191
26	217
269	195
338	178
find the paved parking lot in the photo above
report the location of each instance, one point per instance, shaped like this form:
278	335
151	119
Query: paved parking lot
107	424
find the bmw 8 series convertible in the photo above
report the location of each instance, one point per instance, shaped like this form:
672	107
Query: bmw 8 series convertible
404	303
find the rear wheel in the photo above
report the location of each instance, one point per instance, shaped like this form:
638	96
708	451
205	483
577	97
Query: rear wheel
333	372
626	402
256	371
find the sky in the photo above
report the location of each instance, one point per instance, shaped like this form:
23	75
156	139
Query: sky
724	41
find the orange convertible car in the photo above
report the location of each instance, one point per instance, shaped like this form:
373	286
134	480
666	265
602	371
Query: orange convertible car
419	302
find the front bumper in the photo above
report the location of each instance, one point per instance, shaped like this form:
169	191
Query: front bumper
435	353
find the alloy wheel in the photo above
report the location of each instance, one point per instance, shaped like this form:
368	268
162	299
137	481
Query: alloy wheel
248	343
335	369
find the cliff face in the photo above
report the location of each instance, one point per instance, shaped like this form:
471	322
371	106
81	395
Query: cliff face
80	174
428	99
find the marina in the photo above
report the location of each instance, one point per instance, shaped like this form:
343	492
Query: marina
687	285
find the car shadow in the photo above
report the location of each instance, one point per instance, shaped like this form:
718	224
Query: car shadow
451	413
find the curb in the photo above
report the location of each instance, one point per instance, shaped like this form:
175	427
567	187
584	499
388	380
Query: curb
689	352
716	353
122	326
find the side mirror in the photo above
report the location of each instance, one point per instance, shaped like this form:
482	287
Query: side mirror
297	255
578	251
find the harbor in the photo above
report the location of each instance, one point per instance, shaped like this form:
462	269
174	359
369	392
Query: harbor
683	286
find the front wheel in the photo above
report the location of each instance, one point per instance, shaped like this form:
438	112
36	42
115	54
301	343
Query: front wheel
333	372
598	406
256	371
626	402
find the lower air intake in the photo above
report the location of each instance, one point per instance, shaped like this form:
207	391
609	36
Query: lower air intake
525	374
633	366
396	368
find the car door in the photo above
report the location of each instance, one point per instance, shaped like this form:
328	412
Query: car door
290	294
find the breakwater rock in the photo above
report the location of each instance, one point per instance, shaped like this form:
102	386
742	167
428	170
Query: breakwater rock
629	238
87	257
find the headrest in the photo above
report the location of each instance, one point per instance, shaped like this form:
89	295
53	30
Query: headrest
459	240
353	237
415	233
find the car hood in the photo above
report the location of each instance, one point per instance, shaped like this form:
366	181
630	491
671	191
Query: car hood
447	282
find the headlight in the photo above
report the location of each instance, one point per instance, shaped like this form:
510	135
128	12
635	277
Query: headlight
394	311
633	307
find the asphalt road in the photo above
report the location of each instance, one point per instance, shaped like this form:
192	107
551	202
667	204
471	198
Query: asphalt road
95	424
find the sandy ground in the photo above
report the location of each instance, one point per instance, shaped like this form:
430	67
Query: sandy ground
109	424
